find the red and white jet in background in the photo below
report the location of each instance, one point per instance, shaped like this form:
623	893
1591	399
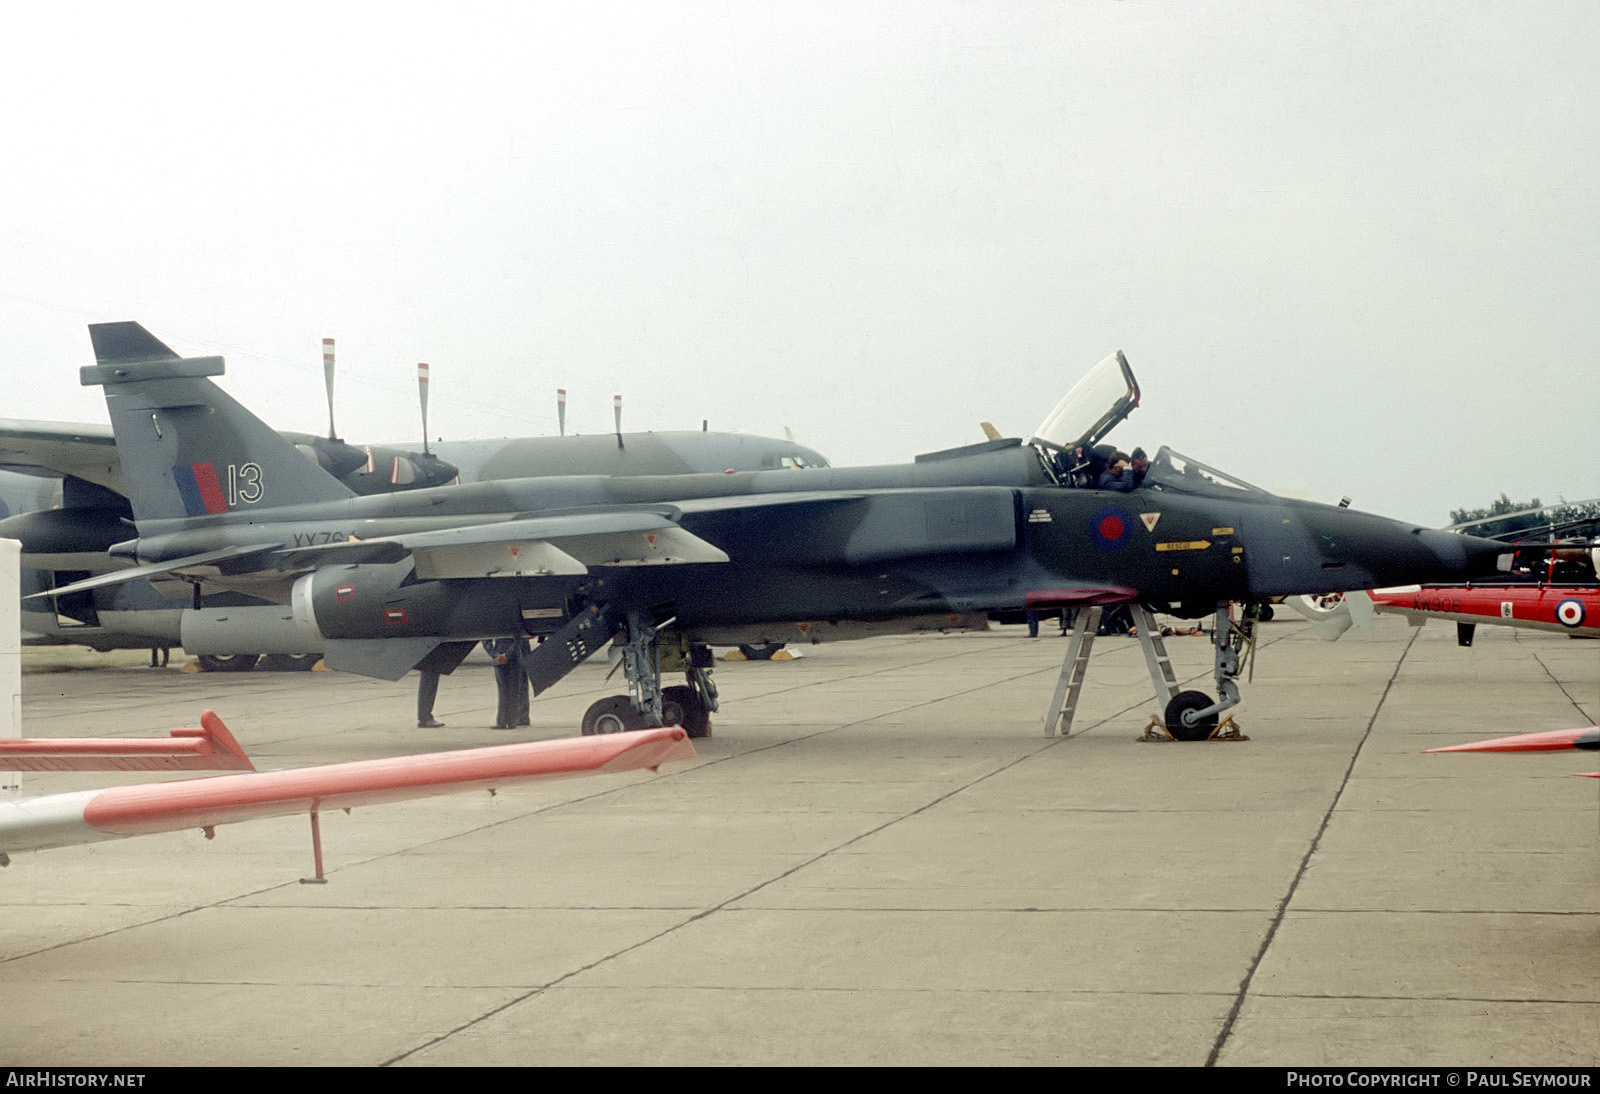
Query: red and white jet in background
1557	593
1549	740
88	816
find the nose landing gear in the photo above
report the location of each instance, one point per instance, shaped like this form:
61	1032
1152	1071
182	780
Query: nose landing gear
1188	715
1192	715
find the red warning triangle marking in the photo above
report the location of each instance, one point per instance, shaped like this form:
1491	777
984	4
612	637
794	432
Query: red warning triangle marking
650	538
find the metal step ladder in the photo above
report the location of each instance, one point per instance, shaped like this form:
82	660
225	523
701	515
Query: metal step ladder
1064	706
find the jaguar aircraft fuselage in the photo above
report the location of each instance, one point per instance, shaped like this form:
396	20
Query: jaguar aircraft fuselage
750	556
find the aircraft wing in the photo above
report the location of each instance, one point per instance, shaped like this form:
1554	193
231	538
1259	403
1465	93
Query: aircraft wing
209	748
564	543
62	448
88	816
1548	740
531	546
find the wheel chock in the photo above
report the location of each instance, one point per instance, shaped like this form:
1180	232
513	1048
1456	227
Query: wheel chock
786	655
735	655
1227	730
1156	730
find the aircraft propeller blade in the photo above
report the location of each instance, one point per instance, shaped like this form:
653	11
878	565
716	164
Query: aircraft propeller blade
422	395
327	376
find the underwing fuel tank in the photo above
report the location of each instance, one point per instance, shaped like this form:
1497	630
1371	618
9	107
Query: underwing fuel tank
387	600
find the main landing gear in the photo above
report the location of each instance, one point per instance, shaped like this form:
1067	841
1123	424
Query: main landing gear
644	657
1188	715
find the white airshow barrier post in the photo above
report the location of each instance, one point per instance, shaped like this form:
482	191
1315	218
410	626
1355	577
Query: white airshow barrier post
10	650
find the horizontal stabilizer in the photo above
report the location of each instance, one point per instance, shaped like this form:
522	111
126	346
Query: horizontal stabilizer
154	569
209	748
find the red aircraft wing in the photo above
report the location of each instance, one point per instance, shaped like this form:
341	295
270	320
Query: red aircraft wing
1548	740
209	748
61	820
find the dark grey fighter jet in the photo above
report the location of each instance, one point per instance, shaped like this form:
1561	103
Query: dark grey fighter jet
68	504
669	564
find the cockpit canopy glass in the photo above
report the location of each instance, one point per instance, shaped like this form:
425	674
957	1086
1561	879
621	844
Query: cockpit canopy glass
1171	471
1095	404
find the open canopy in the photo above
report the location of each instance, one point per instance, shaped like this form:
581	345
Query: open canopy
1092	408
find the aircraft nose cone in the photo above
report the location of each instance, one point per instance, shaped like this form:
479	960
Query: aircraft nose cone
1462	557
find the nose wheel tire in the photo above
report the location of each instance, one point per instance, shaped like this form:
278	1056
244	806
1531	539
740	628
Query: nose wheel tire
682	706
1186	702
613	714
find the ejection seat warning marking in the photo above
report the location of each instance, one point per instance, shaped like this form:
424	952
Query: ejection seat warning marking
1186	545
1149	520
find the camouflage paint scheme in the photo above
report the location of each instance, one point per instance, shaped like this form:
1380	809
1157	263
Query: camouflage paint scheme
388	579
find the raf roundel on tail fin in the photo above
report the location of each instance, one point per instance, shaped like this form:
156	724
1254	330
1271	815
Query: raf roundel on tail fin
187	448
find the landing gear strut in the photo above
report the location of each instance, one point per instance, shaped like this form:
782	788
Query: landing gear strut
1191	715
647	703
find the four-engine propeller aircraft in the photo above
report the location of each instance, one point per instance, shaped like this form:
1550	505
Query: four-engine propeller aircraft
65	537
669	564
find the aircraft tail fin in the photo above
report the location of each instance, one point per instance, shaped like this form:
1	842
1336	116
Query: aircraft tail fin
187	448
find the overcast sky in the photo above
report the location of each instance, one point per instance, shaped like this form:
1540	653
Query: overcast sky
1348	248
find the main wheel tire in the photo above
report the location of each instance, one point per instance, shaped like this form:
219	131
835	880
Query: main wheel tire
613	714
1265	613
290	662
681	706
762	652
229	662
1186	701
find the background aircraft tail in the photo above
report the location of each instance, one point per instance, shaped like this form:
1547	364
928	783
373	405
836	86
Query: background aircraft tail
187	448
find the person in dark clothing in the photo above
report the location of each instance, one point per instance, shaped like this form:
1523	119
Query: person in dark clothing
510	680
1118	476
1140	465
427	692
